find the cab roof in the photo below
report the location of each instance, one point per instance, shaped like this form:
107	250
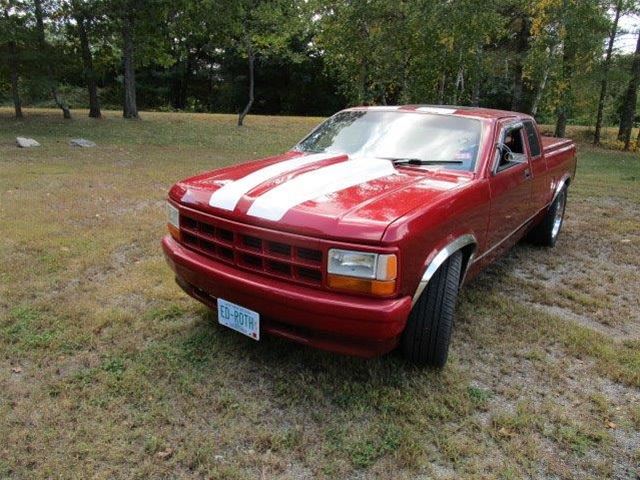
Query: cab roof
477	112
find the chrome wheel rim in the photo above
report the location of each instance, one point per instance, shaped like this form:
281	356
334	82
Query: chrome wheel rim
557	221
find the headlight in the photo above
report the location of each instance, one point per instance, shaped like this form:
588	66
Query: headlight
173	221
362	271
352	264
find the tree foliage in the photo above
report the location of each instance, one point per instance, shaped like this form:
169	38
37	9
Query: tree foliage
315	56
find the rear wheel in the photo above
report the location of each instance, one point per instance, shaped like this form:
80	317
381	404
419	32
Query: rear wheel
426	338
547	231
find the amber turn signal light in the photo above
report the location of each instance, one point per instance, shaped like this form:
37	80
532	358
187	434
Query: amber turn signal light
173	231
380	288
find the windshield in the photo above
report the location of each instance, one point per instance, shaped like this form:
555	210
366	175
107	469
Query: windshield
443	140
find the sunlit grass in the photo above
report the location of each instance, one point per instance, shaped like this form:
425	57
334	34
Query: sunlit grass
108	370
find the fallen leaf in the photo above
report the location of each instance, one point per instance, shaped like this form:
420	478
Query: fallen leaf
166	453
612	425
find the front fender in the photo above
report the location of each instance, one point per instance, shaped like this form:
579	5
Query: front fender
440	255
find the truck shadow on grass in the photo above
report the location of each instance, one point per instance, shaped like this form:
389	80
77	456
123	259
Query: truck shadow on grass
488	300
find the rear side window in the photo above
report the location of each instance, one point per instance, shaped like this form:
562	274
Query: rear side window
532	136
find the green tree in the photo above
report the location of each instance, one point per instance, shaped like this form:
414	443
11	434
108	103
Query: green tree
83	19
45	54
630	100
413	50
260	28
561	24
140	27
12	37
618	6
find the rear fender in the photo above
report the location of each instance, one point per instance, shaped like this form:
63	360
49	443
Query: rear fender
565	180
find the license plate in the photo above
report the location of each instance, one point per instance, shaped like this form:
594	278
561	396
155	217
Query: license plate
239	319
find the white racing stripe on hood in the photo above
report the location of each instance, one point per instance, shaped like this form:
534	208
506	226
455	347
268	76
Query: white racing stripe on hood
228	196
273	204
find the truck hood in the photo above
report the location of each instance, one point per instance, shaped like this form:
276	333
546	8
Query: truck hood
321	195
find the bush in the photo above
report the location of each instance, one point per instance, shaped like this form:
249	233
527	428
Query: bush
608	144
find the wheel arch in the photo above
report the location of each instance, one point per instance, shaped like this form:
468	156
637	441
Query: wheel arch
466	243
564	181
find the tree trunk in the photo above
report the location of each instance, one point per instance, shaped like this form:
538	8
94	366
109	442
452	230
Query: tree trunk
251	58
44	50
477	80
538	98
180	77
175	90
362	82
561	122
459	86
630	99
210	89
475	93
129	108
89	73
518	81
15	92
566	99
605	74
441	88
186	77
516	101
14	73
59	101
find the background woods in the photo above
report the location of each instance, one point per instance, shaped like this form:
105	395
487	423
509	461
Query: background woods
555	59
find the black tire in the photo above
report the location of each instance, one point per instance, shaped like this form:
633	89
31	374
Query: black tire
547	231
426	338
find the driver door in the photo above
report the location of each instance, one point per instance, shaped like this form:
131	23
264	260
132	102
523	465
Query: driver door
510	181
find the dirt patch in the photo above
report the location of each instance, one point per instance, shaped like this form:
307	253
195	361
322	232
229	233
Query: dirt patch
590	277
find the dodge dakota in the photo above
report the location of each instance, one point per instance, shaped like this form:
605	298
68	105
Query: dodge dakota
358	239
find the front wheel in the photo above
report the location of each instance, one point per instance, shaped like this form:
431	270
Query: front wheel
547	231
426	338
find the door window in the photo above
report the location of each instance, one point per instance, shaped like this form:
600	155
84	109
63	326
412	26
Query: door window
511	149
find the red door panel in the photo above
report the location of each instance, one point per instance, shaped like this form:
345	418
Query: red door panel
511	189
510	202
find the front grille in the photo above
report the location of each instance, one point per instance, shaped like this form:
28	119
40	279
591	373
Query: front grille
215	239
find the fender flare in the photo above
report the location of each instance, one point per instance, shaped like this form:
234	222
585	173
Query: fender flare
566	178
440	257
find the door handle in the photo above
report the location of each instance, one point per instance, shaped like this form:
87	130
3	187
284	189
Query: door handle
527	174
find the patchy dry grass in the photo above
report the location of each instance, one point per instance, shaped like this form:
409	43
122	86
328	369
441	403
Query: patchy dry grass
108	370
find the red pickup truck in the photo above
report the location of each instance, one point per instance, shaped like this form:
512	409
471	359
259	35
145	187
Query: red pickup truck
358	239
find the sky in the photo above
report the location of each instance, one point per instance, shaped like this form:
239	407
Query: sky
628	36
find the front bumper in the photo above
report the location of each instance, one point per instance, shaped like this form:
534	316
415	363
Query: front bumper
336	322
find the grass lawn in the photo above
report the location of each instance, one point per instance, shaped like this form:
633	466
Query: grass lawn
108	370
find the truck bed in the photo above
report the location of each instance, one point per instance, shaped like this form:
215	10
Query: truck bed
552	144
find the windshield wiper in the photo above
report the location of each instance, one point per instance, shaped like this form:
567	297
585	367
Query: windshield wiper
419	161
